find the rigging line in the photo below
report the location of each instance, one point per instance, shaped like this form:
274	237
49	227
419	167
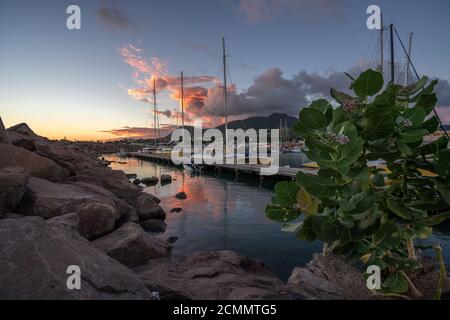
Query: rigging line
418	78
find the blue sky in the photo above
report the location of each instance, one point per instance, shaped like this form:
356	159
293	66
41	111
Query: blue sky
73	83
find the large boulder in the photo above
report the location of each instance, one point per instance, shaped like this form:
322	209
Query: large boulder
13	183
132	246
98	214
4	138
114	180
154	225
22	136
35	256
147	208
36	165
220	275
329	277
67	157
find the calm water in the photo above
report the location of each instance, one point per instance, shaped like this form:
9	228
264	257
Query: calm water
222	213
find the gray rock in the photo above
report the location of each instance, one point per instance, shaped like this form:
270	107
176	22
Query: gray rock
35	255
22	136
4	138
98	213
132	246
166	179
154	225
181	196
220	275
73	161
13	183
36	165
329	277
172	239
150	181
114	180
147	208
70	222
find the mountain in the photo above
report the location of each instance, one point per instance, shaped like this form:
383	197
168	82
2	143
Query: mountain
270	122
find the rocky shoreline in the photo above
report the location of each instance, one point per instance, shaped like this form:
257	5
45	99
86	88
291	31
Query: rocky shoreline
60	206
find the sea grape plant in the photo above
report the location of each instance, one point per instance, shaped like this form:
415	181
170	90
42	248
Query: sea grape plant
379	187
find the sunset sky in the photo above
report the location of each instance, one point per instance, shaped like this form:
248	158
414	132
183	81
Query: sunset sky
93	83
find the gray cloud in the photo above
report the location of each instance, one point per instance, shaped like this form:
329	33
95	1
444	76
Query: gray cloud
113	17
273	92
255	11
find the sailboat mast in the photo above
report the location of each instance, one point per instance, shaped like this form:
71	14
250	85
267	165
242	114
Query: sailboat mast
382	44
408	57
391	27
154	108
286	130
182	100
225	88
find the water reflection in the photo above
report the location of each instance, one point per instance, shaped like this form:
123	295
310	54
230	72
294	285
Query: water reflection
227	213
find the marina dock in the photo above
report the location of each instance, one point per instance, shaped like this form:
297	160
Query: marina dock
253	169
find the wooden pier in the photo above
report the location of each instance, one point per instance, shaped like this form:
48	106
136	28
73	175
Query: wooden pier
253	169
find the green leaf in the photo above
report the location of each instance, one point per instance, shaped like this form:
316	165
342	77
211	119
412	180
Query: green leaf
424	232
444	190
386	234
339	96
431	125
306	232
409	91
412	136
346	128
415	115
396	283
434	147
321	105
427	102
281	214
399	210
286	193
405	150
314	143
317	186
380	126
313	119
442	163
324	228
434	220
368	83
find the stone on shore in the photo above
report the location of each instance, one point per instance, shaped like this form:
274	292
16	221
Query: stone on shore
147	208
132	246
4	138
181	196
166	179
154	225
36	165
114	180
329	277
219	275
35	256
98	214
22	136
150	181
13	183
66	157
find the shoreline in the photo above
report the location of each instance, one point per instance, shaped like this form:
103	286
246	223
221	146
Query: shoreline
61	206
